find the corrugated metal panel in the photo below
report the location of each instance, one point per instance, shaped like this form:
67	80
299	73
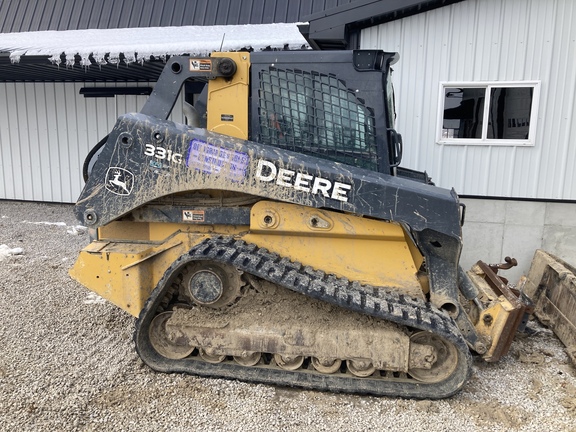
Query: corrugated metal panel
37	68
55	127
36	15
488	40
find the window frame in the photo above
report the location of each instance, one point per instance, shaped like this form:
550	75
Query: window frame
488	86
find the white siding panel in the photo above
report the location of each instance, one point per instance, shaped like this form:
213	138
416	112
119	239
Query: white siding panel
488	40
47	129
5	162
11	155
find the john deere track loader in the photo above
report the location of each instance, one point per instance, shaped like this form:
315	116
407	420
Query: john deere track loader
275	238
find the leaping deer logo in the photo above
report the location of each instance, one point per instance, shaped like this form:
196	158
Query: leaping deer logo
119	181
116	181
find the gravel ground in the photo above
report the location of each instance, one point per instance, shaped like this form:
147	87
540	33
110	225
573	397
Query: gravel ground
67	362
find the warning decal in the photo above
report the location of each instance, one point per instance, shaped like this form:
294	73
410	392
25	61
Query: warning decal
200	65
193	215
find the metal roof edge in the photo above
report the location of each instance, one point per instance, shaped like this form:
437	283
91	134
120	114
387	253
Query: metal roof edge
338	27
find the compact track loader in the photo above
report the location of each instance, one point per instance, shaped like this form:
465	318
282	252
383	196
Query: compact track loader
275	238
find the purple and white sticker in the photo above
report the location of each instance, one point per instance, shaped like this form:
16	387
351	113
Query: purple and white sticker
215	160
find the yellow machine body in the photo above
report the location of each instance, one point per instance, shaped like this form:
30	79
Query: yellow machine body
227	113
129	259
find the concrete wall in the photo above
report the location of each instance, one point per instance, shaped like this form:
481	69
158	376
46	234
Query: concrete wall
495	229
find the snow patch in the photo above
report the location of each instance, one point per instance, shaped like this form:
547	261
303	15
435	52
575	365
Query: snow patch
6	251
93	298
77	230
73	230
139	44
62	224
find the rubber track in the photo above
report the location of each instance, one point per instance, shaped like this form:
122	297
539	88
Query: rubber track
353	296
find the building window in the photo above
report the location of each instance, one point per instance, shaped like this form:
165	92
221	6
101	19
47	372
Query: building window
488	113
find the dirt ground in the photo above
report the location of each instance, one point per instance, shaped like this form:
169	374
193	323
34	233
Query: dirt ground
67	362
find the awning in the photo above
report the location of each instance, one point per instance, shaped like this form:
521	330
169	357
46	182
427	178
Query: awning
92	55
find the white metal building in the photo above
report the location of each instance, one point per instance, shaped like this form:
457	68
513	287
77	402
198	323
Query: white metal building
477	43
55	128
